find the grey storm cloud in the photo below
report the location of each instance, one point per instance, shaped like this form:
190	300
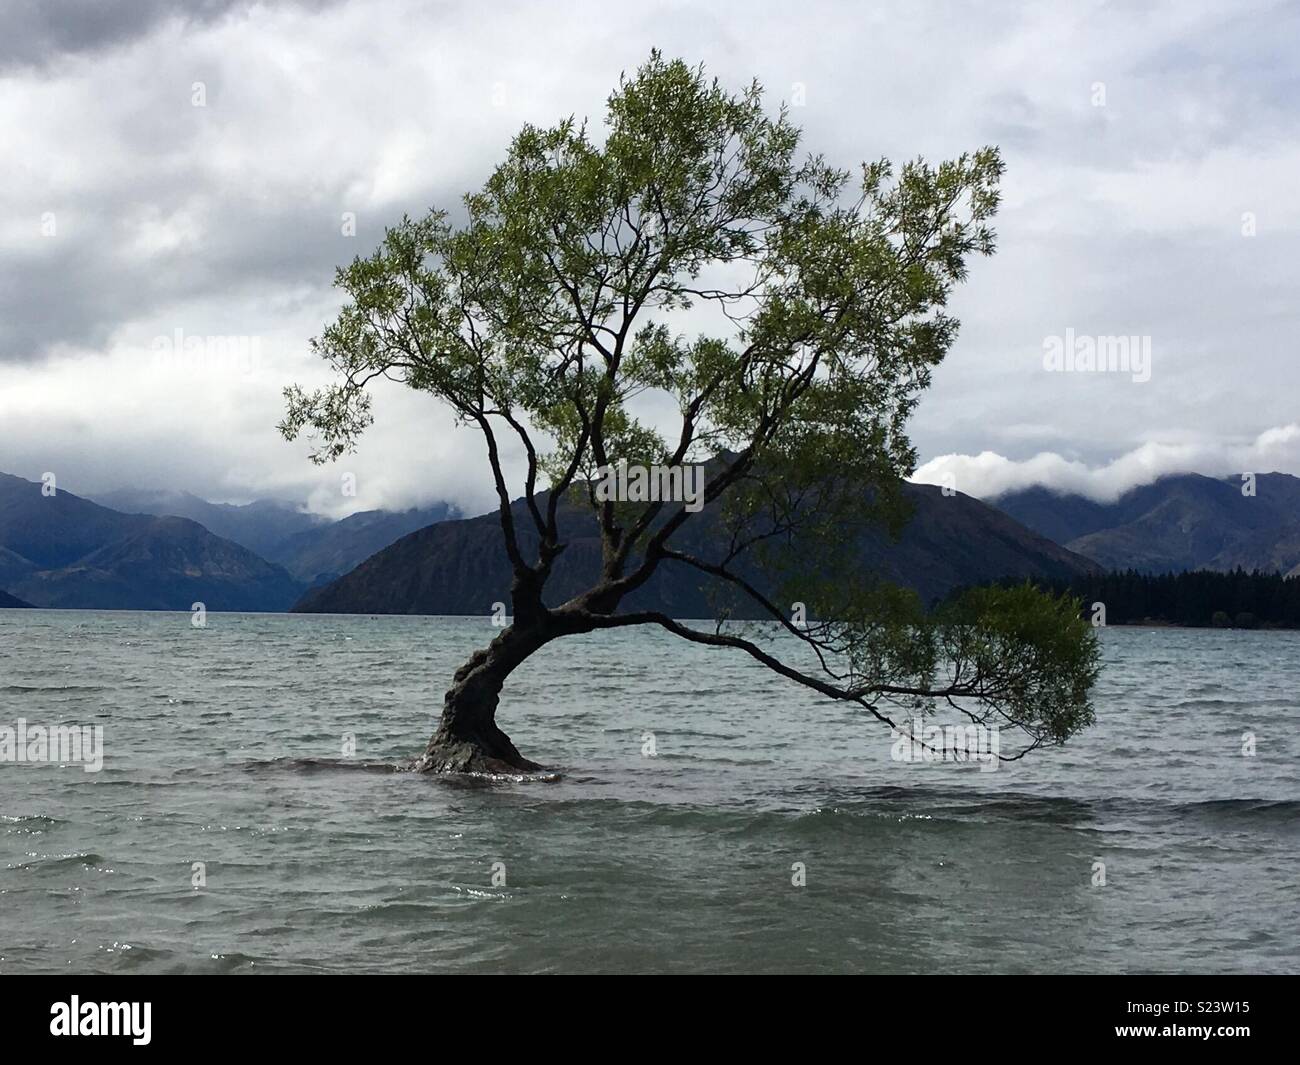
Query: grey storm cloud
35	33
83	291
1151	155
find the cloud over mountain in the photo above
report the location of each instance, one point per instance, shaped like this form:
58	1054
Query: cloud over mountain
988	474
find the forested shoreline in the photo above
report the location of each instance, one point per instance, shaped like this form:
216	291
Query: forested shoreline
1194	599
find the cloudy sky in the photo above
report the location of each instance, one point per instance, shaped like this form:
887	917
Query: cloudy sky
183	169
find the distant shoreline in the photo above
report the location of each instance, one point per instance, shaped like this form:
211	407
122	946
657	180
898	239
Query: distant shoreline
1145	624
1207	628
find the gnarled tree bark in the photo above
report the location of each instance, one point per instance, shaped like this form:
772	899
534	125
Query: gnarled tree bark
467	739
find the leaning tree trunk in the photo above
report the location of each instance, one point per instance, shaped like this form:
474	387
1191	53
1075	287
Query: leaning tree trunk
467	739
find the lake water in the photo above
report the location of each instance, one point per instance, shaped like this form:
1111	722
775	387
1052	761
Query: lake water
224	745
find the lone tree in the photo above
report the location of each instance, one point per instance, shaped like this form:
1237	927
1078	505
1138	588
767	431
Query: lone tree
793	312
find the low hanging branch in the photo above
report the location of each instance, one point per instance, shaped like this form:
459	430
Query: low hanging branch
581	280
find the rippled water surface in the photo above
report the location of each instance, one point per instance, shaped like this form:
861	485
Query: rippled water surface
225	746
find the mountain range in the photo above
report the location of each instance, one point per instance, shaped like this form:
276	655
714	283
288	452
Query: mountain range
1179	522
59	550
259	526
458	567
168	550
9	602
311	547
156	550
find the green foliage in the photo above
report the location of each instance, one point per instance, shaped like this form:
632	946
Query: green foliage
1015	657
1027	656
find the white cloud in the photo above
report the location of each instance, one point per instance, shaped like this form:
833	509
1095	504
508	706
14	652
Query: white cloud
988	474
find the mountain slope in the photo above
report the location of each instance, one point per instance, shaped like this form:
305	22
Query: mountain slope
321	553
1181	522
52	531
13	567
311	547
169	564
258	526
65	551
459	567
8	601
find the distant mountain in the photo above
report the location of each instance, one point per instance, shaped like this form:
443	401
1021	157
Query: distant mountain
13	568
8	601
258	526
318	555
48	532
1181	522
311	547
459	567
65	551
